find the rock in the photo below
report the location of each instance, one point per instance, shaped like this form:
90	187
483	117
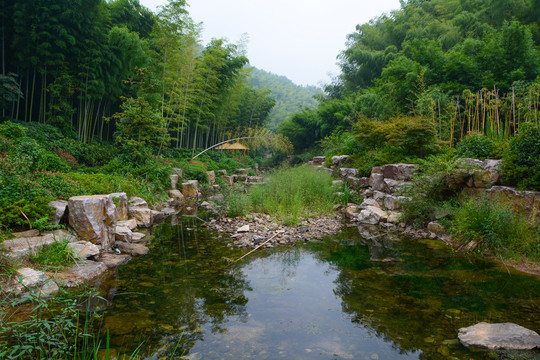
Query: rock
372	215
133	249
346	172
83	249
229	179
391	202
499	336
376	181
340	159
19	248
352	211
393	217
137	202
93	218
435	228
399	171
138	237
143	216
167	211
457	180
60	211
122	233
26	234
33	281
190	188
470	162
357	183
240	178
379	196
337	183
175	194
211	175
395	186
319	160
369	202
113	260
243	229
178	172
528	201
485	178
80	273
490	164
217	198
174	181
157	217
120	200
376	170
222	172
131	223
254	179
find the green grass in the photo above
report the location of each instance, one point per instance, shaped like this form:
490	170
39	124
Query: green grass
56	255
497	228
295	193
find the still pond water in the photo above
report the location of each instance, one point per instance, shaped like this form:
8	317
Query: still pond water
342	298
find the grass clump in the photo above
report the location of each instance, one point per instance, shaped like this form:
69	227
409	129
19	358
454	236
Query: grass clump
56	255
291	194
495	227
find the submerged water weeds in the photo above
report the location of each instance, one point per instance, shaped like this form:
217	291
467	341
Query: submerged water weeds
343	298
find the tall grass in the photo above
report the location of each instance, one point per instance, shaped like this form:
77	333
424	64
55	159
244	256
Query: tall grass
495	227
295	193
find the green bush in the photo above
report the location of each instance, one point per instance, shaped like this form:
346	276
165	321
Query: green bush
495	226
12	131
26	213
91	155
238	204
521	165
475	145
295	193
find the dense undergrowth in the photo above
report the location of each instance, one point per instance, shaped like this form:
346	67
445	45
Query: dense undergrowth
40	163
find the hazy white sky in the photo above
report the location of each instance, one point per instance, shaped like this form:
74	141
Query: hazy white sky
299	39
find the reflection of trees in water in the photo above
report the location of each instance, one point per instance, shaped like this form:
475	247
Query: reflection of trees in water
424	296
188	285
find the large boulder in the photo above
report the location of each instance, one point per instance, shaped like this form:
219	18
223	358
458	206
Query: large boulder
372	215
395	186
400	171
190	189
60	211
484	178
120	200
499	336
528	201
357	183
93	218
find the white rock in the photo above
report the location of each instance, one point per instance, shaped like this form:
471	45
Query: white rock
243	229
84	249
372	215
499	336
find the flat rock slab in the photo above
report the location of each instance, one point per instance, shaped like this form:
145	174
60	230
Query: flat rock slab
499	336
19	248
80	273
132	249
84	249
114	260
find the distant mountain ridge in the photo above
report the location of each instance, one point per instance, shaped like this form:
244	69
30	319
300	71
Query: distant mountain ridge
290	98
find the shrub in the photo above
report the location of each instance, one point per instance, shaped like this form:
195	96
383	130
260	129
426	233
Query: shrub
12	130
494	226
238	204
92	155
475	145
521	165
24	214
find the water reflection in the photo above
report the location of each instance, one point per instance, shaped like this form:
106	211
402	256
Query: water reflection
345	298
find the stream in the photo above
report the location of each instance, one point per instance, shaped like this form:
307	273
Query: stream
342	298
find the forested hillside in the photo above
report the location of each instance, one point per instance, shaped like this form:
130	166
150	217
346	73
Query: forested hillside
467	65
289	97
73	64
